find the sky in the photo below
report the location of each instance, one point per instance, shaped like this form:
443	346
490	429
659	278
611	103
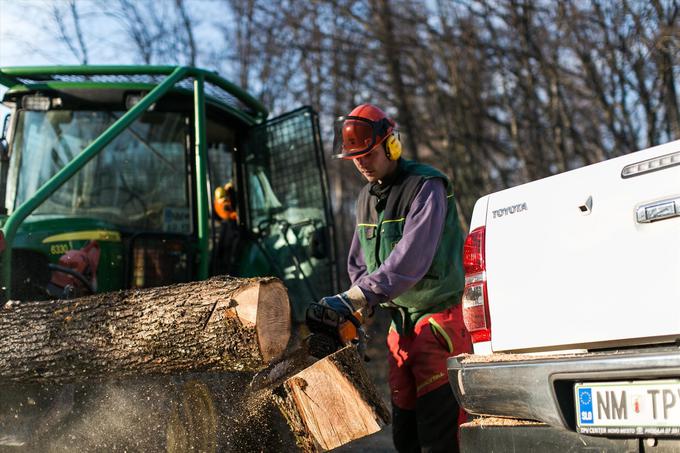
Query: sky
28	31
27	35
24	38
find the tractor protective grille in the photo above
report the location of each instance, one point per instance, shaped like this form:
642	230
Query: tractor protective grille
212	91
295	172
288	205
159	260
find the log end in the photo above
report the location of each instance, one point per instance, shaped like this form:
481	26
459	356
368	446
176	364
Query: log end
266	306
335	401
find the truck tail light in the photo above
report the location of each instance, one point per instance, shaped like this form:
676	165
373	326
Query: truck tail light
475	300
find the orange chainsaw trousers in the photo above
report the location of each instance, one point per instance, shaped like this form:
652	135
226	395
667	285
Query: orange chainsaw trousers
426	414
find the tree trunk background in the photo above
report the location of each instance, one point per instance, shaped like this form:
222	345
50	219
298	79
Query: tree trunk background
222	324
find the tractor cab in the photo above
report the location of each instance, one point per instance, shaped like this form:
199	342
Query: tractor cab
133	177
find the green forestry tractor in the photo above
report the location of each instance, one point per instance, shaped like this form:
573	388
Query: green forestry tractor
119	177
111	177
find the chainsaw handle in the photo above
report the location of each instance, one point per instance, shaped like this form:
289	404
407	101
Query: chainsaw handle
349	330
356	318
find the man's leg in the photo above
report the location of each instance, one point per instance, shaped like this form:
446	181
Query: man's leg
403	395
438	421
405	430
437	337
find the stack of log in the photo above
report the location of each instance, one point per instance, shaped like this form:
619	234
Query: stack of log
181	358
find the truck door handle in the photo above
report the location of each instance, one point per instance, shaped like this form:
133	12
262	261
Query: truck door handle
658	210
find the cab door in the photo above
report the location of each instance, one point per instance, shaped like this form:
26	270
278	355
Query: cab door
288	208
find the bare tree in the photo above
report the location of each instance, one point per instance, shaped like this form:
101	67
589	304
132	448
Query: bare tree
71	34
493	92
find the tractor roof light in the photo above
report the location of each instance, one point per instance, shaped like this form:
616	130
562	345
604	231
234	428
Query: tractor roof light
36	102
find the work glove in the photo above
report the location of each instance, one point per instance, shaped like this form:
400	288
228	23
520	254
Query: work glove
346	303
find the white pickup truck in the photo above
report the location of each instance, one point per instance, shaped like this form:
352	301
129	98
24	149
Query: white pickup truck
572	299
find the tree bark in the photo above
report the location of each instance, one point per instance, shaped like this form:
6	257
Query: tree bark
222	324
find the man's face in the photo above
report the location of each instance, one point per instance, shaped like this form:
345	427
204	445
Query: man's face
375	165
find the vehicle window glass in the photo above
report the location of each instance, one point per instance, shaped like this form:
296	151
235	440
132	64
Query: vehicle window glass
220	165
138	181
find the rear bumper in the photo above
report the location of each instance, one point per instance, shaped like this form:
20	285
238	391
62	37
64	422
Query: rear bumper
543	389
537	439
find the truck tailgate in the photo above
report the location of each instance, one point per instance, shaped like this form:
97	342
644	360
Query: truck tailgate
570	262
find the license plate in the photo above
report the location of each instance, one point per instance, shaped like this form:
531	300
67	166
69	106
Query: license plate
628	408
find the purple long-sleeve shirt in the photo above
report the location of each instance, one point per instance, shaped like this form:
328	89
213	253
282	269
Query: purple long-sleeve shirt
411	258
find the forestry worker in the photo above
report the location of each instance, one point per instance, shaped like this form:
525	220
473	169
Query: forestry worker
406	256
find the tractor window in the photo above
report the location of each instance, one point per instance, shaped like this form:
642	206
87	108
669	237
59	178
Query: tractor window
225	238
220	166
138	181
221	144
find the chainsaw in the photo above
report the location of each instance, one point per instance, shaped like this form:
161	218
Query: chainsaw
329	332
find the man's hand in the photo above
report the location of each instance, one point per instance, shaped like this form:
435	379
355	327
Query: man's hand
338	318
339	303
346	303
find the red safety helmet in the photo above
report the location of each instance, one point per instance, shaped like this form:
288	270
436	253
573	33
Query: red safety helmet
362	130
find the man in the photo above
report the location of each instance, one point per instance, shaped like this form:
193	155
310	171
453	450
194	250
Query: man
406	255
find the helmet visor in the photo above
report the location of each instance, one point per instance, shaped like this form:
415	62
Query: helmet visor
353	137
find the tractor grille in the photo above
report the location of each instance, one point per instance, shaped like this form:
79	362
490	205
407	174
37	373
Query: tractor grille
212	91
159	260
295	173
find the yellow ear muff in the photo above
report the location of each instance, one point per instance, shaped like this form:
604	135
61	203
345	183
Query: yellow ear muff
393	147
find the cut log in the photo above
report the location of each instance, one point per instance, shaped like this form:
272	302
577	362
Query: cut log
222	324
322	407
332	402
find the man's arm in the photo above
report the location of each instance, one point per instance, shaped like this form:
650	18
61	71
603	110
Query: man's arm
413	254
356	266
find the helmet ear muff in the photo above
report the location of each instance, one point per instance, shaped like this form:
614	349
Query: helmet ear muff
393	146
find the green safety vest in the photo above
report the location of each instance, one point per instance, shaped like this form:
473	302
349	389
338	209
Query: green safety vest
380	226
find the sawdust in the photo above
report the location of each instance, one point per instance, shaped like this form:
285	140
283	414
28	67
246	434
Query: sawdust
503	357
211	411
501	421
192	412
